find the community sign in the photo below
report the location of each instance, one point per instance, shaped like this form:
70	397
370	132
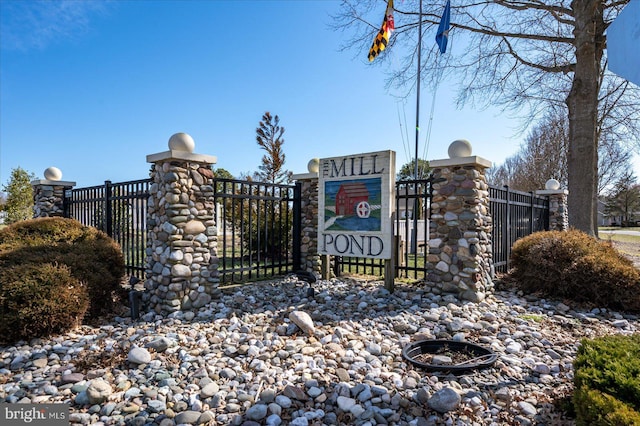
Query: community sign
356	196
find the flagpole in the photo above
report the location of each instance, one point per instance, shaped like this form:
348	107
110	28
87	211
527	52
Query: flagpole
414	233
415	169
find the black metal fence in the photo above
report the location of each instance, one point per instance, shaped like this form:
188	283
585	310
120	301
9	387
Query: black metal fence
259	226
258	229
515	214
119	209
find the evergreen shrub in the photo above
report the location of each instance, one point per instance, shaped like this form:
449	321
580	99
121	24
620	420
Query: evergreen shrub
39	299
607	381
91	256
575	266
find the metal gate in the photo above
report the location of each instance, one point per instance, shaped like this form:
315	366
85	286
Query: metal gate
258	229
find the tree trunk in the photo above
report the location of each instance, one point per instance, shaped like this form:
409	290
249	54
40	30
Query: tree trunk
582	103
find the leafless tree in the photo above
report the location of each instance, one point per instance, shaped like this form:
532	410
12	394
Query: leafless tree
544	156
524	56
623	200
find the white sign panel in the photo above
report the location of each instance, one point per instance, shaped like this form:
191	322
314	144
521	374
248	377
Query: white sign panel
356	196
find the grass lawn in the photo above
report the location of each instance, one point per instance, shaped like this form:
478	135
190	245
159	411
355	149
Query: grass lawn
617	235
622	238
617	228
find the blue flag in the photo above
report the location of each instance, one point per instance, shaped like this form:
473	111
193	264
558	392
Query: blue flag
443	29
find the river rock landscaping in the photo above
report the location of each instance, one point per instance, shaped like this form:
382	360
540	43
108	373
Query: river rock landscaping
277	353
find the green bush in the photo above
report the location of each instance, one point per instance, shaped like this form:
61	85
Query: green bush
91	255
595	408
39	299
573	265
607	381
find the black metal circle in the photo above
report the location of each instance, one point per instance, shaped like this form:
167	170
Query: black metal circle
485	357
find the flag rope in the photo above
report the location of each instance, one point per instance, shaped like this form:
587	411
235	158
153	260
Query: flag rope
442	38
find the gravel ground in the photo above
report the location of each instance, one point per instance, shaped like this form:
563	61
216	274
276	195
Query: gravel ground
276	353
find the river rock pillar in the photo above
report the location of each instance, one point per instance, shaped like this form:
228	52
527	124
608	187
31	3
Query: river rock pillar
558	213
49	194
460	256
310	260
182	256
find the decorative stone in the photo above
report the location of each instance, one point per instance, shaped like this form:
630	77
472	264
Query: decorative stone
444	400
345	403
181	142
98	391
257	412
209	390
527	409
303	321
460	148
53	173
194	227
552	184
314	165
139	356
442	266
180	271
188	417
72	378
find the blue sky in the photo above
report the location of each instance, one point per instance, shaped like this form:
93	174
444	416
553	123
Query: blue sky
93	87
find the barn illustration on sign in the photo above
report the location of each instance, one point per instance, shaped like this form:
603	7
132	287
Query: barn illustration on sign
353	205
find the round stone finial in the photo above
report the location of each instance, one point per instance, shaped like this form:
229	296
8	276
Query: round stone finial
552	184
314	165
181	142
460	148
52	173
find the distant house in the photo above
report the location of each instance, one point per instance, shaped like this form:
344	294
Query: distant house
606	219
603	219
348	196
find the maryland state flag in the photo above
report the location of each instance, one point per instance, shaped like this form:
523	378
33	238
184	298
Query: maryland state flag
382	38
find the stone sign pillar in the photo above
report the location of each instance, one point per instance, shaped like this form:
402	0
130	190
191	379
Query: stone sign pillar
48	194
310	260
460	239
182	253
558	213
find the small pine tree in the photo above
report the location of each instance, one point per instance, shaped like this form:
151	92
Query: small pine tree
269	137
19	203
407	171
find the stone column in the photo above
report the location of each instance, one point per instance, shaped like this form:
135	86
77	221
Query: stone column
558	213
48	194
310	259
182	250
460	258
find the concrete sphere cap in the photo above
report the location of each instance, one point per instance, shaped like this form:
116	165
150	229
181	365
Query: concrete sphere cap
460	148
314	165
552	184
181	142
53	173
